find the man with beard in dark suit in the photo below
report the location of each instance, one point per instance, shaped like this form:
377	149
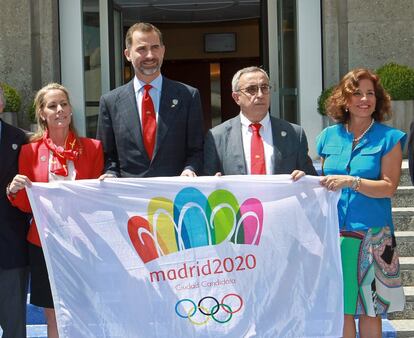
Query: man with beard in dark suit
13	230
151	126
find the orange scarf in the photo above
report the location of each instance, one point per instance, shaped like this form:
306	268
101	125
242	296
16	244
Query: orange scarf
60	155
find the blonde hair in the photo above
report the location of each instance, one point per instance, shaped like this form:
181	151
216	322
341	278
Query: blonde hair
39	103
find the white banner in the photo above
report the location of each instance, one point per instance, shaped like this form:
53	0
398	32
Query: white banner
234	256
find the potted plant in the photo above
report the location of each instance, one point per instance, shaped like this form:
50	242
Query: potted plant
13	103
31	114
322	100
398	81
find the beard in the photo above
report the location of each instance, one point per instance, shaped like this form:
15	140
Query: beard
149	71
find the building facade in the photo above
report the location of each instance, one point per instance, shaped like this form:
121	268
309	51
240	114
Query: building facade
306	45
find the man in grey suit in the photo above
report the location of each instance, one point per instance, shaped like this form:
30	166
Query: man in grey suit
178	143
227	148
14	225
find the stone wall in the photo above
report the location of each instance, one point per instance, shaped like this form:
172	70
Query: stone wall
366	33
403	115
29	52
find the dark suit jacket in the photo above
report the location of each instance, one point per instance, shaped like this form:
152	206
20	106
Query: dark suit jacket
179	143
223	149
411	152
34	163
13	223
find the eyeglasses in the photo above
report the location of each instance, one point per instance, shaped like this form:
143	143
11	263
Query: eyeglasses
254	89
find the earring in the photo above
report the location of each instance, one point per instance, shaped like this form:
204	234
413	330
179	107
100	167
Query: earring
347	109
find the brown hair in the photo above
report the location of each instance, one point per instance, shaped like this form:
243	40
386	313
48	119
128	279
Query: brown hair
141	27
336	105
39	102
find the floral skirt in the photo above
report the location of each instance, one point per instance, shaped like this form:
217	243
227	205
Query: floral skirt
372	281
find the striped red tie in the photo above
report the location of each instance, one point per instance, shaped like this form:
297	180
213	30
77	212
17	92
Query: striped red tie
257	155
149	122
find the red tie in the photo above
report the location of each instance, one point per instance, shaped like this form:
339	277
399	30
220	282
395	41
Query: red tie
149	122
257	156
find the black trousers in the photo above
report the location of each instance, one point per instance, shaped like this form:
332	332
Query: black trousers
13	298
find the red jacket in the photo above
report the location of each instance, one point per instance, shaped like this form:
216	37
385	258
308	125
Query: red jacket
34	163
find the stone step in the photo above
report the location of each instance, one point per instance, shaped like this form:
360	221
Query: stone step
405	243
404	197
407	270
408	312
405	179
403	218
404	327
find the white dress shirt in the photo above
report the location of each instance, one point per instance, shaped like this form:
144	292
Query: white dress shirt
267	137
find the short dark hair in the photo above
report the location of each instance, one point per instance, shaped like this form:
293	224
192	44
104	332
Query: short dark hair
141	27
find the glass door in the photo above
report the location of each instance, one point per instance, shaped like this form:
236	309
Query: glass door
288	88
92	63
102	55
282	49
118	44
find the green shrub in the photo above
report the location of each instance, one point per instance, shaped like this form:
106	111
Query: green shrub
398	81
13	99
31	113
322	99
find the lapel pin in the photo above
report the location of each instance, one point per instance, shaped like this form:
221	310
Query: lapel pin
174	103
283	133
14	146
43	158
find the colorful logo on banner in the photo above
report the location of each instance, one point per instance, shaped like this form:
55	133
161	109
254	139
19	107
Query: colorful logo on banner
194	220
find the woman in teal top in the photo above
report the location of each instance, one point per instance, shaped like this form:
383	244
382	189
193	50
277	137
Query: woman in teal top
363	157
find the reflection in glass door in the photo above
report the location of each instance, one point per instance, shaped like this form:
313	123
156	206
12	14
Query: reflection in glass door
92	64
118	48
288	88
102	55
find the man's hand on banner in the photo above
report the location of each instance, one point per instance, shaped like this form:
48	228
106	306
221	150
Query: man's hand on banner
188	173
103	176
297	174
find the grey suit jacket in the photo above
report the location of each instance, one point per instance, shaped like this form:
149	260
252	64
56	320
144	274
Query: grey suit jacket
223	149
179	141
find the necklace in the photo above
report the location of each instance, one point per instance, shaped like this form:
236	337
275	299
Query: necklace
357	139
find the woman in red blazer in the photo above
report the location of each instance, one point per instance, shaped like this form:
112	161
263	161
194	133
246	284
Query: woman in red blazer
55	153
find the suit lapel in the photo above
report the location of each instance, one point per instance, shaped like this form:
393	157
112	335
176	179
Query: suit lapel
235	151
128	110
169	108
8	145
277	142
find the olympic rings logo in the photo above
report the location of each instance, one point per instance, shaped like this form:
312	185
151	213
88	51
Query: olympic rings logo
210	307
